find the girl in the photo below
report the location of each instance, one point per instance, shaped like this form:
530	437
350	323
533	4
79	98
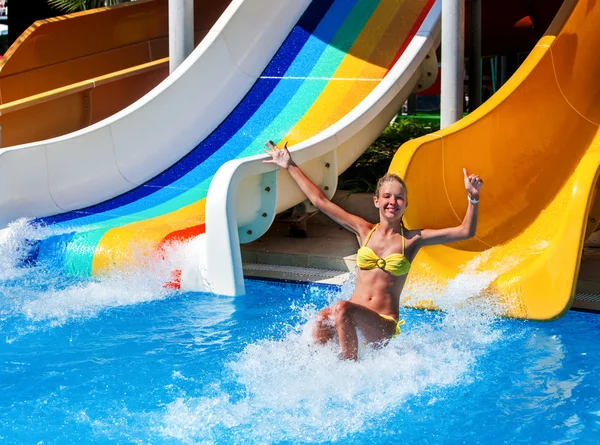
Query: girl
383	260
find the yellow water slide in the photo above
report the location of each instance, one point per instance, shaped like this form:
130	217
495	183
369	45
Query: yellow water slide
65	73
537	146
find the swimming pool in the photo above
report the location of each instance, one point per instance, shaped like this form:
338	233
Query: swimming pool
123	360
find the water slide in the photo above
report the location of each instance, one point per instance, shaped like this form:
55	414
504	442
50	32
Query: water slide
65	73
183	165
536	144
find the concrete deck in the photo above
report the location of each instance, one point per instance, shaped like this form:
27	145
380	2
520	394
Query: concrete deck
328	255
327	247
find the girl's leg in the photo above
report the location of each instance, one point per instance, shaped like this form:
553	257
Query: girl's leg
323	329
350	316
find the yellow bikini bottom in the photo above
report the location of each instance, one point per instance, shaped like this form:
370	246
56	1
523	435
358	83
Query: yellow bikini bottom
398	323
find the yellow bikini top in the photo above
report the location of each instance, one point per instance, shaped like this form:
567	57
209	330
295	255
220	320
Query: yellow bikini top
396	263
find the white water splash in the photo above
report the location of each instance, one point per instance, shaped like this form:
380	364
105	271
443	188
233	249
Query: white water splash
296	391
45	297
87	299
470	289
14	245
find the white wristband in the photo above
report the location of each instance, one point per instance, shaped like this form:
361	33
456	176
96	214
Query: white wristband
472	201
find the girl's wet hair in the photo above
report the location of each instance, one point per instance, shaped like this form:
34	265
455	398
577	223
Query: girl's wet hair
388	177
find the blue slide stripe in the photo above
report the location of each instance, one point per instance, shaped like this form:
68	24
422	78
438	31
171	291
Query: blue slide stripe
248	106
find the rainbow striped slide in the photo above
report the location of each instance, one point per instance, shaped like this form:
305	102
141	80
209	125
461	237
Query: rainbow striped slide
336	56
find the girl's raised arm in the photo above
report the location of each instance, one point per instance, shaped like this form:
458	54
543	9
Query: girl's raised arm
282	158
466	230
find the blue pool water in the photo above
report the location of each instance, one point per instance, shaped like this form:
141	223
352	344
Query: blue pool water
122	360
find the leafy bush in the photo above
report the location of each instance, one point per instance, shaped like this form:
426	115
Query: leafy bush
363	175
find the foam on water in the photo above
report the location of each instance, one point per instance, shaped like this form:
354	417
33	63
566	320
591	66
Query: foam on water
37	297
292	390
14	245
299	392
87	298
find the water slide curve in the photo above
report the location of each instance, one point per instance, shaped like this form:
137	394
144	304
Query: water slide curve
325	75
536	144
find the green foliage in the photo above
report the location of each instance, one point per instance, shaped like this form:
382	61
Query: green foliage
68	6
363	175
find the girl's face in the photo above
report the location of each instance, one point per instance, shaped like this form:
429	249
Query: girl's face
391	201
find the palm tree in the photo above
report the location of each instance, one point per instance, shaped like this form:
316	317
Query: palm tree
80	5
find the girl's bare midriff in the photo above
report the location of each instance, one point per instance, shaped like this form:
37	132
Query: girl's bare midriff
379	291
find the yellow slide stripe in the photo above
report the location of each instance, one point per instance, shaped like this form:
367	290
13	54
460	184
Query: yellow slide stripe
353	66
123	245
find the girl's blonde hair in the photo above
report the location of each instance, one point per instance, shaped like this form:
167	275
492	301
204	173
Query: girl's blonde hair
388	177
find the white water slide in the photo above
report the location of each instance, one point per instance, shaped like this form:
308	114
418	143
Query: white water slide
184	163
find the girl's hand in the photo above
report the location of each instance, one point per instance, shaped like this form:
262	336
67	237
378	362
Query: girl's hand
473	184
281	156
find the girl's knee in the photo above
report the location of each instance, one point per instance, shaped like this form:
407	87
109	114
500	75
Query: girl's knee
341	310
324	312
323	319
323	315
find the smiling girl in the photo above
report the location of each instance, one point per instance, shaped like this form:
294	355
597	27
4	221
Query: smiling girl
383	260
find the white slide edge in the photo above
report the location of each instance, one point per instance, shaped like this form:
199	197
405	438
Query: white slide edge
245	194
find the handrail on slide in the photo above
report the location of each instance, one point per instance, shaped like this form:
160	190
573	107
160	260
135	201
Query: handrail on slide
37	117
243	196
59	93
